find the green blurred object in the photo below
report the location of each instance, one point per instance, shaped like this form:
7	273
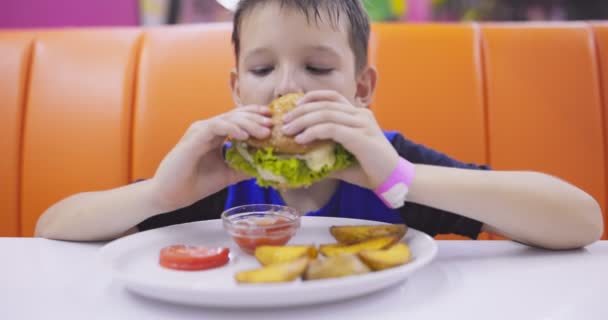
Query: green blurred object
379	10
471	15
398	8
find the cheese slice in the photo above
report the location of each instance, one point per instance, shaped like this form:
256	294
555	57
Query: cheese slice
319	158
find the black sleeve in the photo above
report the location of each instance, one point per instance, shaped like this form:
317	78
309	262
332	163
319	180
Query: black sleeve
206	209
430	220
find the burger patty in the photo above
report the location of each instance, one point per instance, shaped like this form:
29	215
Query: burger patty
287	145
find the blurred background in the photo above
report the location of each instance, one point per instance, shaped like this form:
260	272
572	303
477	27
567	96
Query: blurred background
20	14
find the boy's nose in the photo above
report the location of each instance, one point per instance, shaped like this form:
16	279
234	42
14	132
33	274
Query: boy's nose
287	84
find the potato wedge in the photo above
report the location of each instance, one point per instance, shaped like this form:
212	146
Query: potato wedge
278	272
268	255
387	258
330	250
343	265
354	234
331	246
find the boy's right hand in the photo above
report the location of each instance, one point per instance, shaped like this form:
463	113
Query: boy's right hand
195	167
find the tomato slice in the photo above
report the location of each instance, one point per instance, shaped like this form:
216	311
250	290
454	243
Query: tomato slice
192	258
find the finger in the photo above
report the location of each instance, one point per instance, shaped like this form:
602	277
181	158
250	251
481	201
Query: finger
326	131
316	106
321	95
222	128
257	118
263	110
194	129
322	116
251	127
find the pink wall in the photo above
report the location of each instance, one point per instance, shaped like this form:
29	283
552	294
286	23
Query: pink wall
67	13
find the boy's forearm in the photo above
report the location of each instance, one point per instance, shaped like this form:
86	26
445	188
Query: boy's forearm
529	207
102	215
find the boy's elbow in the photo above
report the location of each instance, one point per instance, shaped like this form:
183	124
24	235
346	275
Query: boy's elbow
43	227
39	232
48	226
587	223
583	218
595	225
572	223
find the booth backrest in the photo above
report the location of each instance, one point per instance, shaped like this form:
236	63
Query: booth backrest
91	109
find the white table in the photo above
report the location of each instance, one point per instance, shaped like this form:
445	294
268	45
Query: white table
44	279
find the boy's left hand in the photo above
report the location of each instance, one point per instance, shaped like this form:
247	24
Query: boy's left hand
327	115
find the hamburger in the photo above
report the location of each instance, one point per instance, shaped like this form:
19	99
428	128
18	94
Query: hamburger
279	161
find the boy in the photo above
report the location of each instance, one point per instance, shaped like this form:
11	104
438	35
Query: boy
319	47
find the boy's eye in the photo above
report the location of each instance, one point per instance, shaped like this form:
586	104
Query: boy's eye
260	72
319	70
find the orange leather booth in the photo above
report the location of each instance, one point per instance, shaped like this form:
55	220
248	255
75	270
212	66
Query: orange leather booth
91	109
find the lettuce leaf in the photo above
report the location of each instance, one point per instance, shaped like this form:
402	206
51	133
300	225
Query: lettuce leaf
294	171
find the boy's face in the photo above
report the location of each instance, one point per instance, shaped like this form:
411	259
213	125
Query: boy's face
282	52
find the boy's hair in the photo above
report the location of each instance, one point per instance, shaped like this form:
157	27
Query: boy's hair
358	29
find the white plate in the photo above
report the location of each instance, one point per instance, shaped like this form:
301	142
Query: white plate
133	261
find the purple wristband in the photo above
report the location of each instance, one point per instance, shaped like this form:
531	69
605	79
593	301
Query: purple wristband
394	189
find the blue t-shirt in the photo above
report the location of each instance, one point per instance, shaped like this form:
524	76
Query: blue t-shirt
348	201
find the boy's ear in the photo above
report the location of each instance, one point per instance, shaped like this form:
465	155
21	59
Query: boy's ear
234	85
366	86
